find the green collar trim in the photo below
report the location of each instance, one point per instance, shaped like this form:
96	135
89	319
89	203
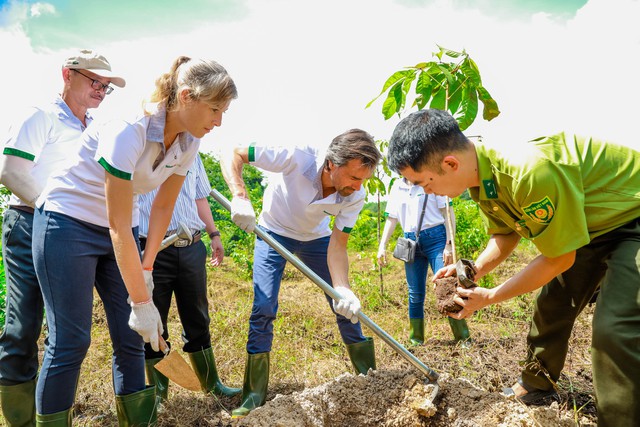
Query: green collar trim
488	189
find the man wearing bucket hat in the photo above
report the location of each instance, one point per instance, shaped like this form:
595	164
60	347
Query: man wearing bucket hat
38	145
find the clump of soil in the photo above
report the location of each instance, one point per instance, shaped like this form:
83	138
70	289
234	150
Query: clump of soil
399	398
445	288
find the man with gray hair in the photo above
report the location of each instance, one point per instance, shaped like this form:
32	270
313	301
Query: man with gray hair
309	188
35	147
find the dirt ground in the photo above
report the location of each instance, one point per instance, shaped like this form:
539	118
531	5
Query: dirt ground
402	399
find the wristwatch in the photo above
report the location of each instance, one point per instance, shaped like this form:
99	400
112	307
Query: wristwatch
214	234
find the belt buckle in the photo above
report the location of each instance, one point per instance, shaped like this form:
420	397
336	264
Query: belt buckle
181	243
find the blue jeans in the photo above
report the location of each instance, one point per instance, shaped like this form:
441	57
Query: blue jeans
268	266
431	244
24	306
70	256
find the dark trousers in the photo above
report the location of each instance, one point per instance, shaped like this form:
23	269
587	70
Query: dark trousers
611	262
24	306
70	258
182	271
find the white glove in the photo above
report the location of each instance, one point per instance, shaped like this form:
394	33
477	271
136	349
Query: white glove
145	320
242	214
148	281
382	256
349	304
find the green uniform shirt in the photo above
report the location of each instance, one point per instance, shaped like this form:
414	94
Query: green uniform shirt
558	191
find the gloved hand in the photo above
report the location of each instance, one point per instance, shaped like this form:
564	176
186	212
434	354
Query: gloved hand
348	305
447	255
145	320
242	214
148	281
382	256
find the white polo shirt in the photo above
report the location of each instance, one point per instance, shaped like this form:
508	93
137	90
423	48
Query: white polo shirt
45	135
293	205
405	204
131	150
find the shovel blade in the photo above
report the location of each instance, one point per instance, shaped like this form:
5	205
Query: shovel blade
174	367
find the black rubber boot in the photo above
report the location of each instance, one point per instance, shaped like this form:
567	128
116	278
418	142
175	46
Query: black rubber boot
59	419
256	382
362	355
18	404
138	409
204	365
156	378
416	331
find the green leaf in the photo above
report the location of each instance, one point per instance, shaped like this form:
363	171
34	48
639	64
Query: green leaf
450	53
470	70
455	94
439	99
468	110
490	110
445	69
391	81
394	102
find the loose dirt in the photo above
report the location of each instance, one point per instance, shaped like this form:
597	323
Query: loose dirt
399	399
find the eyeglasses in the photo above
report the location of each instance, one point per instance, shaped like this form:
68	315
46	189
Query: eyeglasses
95	84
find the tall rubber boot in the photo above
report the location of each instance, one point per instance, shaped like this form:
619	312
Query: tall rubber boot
256	381
460	329
18	404
138	409
204	365
362	355
156	378
416	331
59	419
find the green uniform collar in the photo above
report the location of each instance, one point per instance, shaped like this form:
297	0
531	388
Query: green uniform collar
488	189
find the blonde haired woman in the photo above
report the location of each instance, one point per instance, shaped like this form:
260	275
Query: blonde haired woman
86	232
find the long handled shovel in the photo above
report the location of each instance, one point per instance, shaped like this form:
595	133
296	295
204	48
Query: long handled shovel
430	374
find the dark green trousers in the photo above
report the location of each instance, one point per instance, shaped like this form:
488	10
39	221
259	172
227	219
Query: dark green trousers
611	262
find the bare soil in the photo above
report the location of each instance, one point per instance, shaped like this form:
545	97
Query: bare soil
312	384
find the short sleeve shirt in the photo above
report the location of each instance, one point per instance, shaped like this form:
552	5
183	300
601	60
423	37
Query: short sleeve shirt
196	186
129	149
405	204
293	205
45	135
559	191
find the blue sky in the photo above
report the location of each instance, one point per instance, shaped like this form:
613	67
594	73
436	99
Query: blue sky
306	70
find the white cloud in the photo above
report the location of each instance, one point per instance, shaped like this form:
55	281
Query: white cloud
38	9
306	70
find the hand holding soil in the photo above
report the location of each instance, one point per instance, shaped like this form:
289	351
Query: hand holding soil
445	288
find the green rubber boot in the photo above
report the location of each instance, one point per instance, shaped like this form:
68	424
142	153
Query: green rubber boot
254	388
204	365
138	409
416	331
18	404
59	419
460	330
362	355
156	378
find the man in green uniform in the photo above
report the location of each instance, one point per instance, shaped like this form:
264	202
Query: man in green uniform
578	200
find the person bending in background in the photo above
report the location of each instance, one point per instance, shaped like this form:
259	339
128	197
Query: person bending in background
408	204
309	187
36	147
86	233
180	269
